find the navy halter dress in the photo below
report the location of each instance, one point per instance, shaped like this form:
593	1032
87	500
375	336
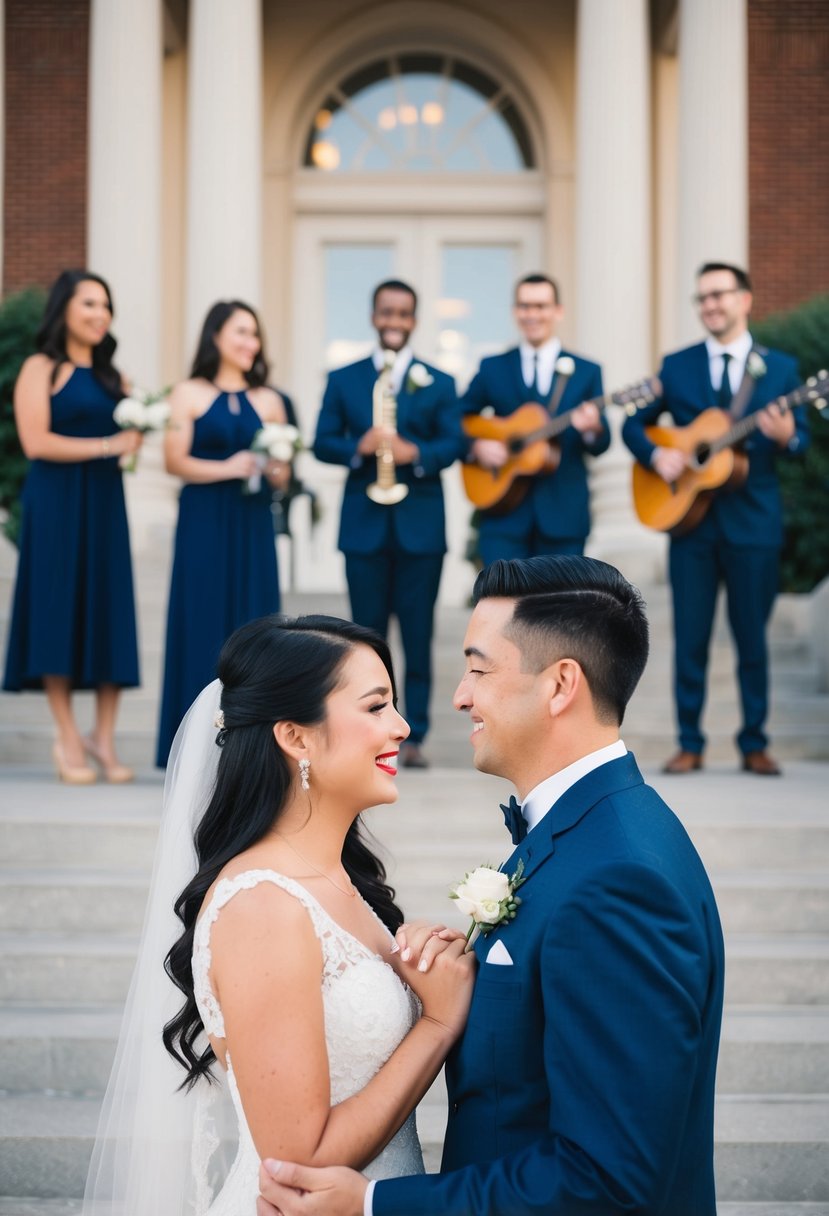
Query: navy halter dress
73	612
224	565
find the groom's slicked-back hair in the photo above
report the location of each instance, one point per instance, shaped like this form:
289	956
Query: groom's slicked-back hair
576	608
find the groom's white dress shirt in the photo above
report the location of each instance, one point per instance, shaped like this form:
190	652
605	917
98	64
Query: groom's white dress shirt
539	800
534	807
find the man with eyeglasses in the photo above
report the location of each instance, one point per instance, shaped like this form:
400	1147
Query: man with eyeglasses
737	542
553	517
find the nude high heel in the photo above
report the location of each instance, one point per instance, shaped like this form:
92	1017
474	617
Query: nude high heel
71	774
115	774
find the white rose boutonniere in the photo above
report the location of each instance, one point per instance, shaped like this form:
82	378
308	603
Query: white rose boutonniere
418	377
488	896
756	365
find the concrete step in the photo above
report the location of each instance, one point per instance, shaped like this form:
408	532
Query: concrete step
32	1206
113	900
61	1049
774	1049
776	1147
56	969
86	968
70	1049
782	969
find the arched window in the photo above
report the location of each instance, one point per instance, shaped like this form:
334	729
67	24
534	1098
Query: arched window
419	113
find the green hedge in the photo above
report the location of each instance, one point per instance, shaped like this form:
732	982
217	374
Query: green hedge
19	318
804	333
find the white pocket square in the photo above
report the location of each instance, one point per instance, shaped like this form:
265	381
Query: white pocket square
499	955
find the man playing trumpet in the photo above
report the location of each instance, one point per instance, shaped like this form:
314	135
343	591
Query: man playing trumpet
554	515
395	423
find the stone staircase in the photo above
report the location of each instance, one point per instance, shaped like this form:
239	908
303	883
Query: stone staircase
74	865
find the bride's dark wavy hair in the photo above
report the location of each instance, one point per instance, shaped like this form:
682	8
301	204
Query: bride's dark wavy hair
273	669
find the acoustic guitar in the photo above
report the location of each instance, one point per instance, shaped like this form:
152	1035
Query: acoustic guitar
715	462
529	435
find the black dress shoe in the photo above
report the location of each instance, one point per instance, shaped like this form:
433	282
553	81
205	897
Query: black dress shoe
762	764
683	762
411	756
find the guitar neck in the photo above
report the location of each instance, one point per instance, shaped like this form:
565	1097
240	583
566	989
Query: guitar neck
742	429
561	421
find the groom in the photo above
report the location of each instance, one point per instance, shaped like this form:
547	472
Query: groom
584	1082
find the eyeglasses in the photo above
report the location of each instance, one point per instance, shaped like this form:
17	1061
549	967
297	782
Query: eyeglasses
716	296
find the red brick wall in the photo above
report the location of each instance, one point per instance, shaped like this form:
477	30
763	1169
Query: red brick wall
788	108
44	211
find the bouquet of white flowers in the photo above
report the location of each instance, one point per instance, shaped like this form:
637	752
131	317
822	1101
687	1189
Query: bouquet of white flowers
274	441
143	411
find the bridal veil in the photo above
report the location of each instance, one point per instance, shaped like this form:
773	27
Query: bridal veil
154	1150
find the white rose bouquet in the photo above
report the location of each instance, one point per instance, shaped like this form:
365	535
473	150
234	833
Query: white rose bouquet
142	411
418	377
488	896
273	441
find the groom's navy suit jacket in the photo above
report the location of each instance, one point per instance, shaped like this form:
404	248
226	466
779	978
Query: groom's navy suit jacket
584	1082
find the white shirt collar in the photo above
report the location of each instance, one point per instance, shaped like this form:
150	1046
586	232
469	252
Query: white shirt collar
402	360
539	800
738	349
547	353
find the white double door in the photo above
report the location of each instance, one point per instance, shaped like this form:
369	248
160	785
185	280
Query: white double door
463	269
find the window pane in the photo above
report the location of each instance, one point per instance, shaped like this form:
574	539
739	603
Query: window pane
352	271
419	114
474	309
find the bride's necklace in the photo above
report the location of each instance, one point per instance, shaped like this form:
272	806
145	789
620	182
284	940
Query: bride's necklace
351	894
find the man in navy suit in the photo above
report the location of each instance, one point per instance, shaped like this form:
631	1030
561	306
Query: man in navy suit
738	540
584	1080
554	516
394	553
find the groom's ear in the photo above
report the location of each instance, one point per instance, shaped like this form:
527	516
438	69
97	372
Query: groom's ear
291	739
566	681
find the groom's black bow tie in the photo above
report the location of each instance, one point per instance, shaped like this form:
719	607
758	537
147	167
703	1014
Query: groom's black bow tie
514	820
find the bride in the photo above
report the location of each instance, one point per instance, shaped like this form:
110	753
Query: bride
288	1000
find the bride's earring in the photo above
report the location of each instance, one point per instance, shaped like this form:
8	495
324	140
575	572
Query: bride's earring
304	766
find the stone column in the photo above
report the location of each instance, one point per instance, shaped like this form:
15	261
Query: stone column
224	168
713	144
613	247
124	207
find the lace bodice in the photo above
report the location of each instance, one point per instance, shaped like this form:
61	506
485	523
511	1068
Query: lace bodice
367	1011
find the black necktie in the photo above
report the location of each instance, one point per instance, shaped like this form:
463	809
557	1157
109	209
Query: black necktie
533	385
724	395
514	820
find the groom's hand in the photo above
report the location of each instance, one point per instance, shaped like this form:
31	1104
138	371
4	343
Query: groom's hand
300	1190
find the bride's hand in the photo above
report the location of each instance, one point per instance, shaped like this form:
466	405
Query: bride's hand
440	973
419	943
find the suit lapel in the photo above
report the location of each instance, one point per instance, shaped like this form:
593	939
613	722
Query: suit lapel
514	359
540	844
702	375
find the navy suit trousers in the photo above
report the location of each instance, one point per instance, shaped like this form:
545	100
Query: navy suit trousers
699	564
405	585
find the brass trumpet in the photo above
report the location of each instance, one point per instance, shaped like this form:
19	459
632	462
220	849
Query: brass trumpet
386	490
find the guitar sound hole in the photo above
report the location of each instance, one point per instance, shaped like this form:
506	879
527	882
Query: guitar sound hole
515	446
701	455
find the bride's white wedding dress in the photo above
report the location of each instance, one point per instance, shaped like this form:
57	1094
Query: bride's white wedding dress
368	1011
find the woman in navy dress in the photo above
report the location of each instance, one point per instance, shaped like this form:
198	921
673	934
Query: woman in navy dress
73	614
224	564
